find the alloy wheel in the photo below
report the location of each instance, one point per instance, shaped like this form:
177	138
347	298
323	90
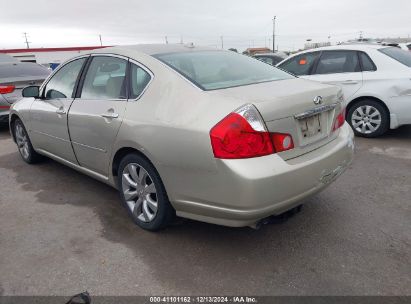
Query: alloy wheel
366	119
22	141
139	192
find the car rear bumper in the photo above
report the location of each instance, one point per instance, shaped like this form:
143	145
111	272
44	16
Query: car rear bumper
4	116
253	189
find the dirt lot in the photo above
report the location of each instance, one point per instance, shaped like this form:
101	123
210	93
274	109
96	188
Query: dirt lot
62	233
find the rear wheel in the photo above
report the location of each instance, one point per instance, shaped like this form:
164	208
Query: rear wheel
143	193
24	144
368	118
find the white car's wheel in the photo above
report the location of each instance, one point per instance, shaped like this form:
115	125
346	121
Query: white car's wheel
368	118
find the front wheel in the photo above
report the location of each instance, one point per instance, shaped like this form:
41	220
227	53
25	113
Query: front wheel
24	144
368	118
143	193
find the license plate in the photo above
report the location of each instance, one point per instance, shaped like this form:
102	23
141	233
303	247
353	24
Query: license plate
310	126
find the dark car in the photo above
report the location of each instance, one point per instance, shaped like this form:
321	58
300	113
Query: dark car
271	58
14	76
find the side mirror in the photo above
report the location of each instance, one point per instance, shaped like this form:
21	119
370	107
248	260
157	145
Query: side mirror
31	91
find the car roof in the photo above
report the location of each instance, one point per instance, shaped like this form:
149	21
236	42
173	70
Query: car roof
152	49
348	47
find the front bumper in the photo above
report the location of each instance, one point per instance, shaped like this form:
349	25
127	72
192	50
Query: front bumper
252	189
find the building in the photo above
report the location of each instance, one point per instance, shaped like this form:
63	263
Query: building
253	51
314	45
50	57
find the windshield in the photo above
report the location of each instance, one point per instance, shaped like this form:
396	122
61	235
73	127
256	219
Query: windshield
400	55
212	70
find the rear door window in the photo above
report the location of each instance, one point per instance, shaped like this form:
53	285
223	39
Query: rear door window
300	65
334	62
105	79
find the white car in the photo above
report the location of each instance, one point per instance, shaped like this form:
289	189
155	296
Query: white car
405	46
375	79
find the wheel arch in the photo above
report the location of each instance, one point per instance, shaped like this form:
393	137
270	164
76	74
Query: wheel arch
13	118
122	152
362	98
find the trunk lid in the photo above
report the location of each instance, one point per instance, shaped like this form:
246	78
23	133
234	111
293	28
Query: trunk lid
288	106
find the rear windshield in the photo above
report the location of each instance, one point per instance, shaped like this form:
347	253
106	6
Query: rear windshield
400	55
7	58
213	70
22	69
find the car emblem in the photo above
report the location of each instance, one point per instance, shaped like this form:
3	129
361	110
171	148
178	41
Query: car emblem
32	82
318	100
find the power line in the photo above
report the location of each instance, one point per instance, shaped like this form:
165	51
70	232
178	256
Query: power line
275	17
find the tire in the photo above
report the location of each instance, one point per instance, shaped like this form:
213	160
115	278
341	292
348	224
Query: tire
26	150
368	118
143	193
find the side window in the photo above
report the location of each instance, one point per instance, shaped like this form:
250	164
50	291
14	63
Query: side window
105	79
61	85
366	62
139	80
333	62
301	64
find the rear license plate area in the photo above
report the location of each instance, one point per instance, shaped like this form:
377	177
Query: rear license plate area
311	126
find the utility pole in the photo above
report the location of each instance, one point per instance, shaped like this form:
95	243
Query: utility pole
166	40
275	17
222	42
181	39
27	42
101	41
361	35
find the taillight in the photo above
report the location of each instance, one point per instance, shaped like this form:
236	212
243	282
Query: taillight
6	89
339	121
242	134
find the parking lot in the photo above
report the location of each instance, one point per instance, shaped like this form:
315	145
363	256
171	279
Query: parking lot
62	233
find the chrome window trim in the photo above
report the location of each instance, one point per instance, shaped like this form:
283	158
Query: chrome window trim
146	69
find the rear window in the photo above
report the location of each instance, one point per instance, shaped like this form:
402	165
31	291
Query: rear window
10	70
213	70
7	58
400	55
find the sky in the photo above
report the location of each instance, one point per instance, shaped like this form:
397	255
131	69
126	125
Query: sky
218	23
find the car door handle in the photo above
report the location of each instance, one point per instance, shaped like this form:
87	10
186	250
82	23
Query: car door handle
350	82
109	115
61	111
